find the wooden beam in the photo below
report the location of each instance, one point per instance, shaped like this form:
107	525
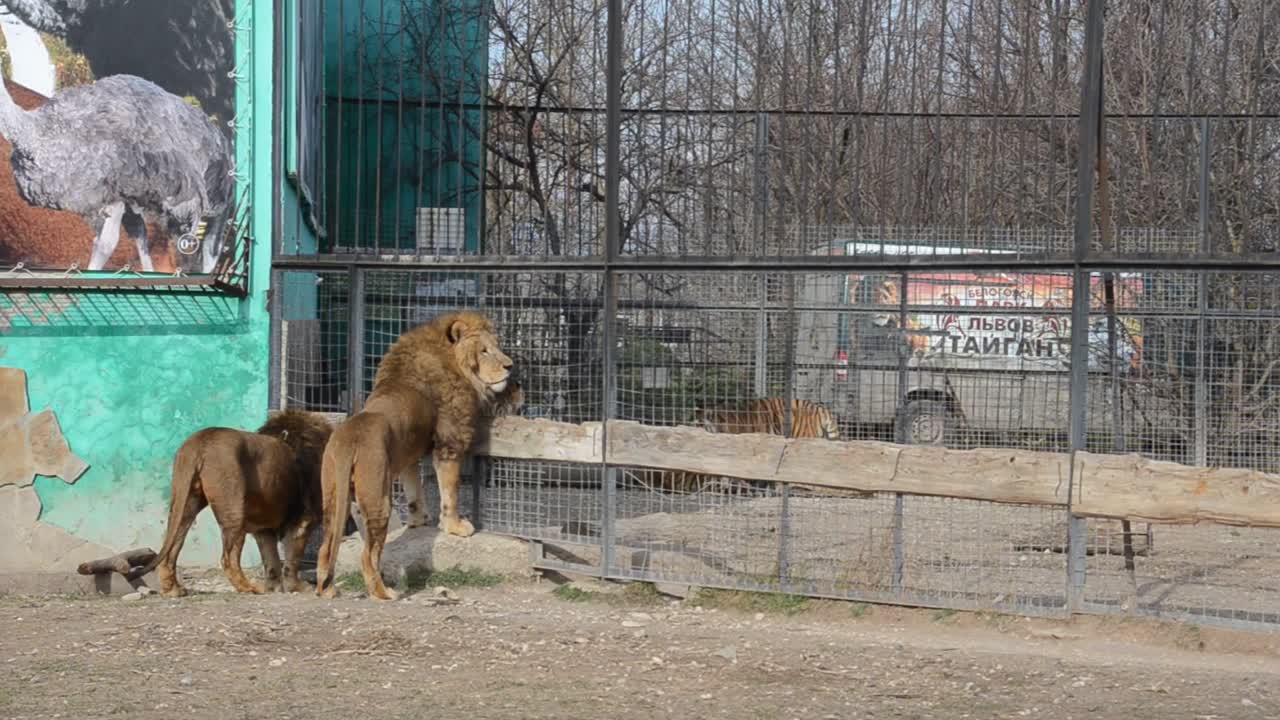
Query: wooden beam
983	474
122	563
1134	487
1114	486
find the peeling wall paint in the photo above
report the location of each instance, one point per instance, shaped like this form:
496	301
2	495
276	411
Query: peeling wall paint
125	404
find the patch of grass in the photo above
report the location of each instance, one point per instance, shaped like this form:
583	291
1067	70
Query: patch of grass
943	615
6	62
460	577
859	609
573	594
639	593
70	68
418	578
351	582
752	601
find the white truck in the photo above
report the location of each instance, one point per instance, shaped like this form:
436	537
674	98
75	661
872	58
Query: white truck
979	351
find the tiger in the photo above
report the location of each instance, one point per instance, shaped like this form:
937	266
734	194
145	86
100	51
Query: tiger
764	415
768	415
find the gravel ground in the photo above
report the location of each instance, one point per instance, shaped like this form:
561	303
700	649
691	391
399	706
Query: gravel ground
526	649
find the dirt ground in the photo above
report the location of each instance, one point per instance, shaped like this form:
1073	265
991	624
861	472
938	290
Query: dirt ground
538	649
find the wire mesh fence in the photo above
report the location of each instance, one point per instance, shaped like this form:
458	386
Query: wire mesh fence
976	224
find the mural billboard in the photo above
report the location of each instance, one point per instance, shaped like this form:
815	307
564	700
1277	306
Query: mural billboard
1002	319
116	141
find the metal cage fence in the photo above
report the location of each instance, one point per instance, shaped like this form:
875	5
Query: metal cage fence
930	222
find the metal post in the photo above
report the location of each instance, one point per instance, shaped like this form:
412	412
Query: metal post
762	340
1200	421
277	386
355	341
899	502
760	217
1090	127
760	201
275	293
1118	442
899	550
790	337
901	345
613	246
784	531
479	475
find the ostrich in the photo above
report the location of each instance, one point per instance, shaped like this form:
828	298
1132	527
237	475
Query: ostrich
116	149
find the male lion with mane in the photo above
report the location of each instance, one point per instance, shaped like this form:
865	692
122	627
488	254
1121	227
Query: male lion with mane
266	483
433	388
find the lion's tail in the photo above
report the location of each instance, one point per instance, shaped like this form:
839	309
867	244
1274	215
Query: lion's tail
186	465
335	472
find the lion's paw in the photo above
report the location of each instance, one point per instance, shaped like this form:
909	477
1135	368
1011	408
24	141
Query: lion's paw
297	586
387	594
176	591
460	527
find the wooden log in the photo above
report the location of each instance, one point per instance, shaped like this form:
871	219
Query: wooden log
1134	487
984	474
121	563
1114	486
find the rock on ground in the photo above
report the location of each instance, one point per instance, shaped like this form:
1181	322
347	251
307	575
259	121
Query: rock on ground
428	549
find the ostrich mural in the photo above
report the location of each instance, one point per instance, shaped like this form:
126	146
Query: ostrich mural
117	150
184	46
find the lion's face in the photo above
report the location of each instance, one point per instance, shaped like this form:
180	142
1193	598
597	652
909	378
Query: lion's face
481	357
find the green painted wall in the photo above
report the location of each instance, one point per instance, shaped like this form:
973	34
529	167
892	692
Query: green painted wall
396	74
131	376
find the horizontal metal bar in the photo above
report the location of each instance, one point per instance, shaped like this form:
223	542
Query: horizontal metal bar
113	284
440	263
1259	262
434	103
748	305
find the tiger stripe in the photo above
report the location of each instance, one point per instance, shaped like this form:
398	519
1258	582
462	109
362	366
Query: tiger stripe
764	415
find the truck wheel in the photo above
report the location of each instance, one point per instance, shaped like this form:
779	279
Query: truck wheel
926	422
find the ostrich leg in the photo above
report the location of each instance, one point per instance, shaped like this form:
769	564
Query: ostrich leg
212	250
136	225
108	237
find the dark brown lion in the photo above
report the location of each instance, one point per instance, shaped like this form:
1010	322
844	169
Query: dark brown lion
434	388
266	483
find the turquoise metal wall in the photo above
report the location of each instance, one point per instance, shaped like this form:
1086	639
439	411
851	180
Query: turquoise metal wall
130	376
396	72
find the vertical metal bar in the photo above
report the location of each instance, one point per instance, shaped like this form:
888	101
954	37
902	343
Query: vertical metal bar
275	289
1118	443
277	135
760	203
899	503
789	355
760	219
899	549
1200	419
784	532
355	340
379	93
901	345
1090	127
613	245
479	476
340	110
762	341
278	343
